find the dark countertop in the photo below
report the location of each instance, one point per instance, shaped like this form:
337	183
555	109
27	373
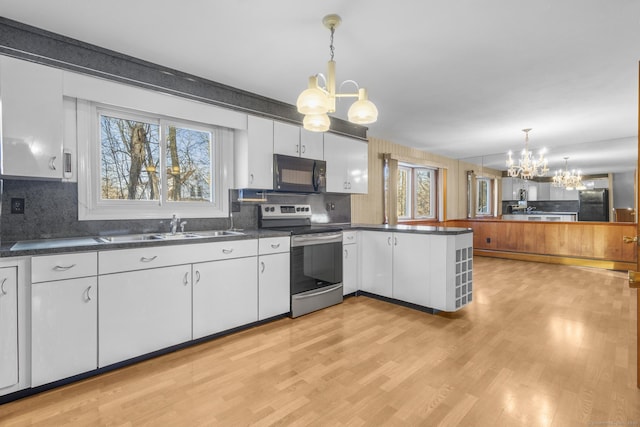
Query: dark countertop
417	229
540	213
90	243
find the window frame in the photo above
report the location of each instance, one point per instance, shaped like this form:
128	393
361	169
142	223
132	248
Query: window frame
90	204
488	194
411	191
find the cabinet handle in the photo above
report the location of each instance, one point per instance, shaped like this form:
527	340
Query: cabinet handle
52	165
389	240
197	276
185	280
145	259
63	267
227	251
251	179
297	149
2	290
395	241
346	254
344	185
262	266
349	185
304	149
275	246
350	237
87	294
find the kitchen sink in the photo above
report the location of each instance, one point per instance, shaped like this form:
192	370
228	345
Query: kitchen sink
129	238
150	237
219	233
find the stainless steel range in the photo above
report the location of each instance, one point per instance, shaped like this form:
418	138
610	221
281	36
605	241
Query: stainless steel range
316	256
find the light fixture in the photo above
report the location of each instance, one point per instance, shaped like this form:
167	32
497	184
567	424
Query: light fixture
316	101
528	166
569	179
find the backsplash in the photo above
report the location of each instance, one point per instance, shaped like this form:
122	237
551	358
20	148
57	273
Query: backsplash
51	211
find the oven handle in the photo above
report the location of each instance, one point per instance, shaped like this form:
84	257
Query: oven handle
315	294
311	239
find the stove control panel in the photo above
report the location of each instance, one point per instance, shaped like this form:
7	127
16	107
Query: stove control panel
285	211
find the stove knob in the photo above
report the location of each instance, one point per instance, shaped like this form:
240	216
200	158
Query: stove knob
297	209
307	209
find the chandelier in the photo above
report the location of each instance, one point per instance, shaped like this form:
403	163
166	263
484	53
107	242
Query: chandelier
316	101
528	166
569	179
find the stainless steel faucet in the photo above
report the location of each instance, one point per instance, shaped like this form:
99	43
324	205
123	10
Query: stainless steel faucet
174	224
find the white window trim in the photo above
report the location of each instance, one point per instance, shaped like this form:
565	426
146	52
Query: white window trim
435	198
89	170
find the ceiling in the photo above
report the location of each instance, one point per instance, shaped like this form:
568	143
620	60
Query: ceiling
455	78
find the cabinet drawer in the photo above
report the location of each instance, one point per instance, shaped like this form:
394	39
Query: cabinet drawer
230	249
63	266
164	256
349	237
273	245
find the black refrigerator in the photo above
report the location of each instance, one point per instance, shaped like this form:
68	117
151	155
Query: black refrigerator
594	205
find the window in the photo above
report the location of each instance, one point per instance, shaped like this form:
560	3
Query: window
484	196
416	192
146	166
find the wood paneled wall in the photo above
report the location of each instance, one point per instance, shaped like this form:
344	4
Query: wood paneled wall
589	240
369	208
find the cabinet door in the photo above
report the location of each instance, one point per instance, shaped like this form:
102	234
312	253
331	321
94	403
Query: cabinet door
312	144
143	311
64	322
507	189
8	327
337	163
273	285
347	164
286	139
411	259
377	256
260	156
357	168
32	119
225	295
349	269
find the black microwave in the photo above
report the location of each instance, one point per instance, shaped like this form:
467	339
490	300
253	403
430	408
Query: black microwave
299	175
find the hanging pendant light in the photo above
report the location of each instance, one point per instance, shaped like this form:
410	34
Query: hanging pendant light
316	101
568	179
528	165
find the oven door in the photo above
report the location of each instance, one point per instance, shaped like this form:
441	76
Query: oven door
316	261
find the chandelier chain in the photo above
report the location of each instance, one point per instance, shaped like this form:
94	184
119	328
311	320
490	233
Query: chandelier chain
331	48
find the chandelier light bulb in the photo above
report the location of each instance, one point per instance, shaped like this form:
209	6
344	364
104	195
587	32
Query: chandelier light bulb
313	100
316	122
363	111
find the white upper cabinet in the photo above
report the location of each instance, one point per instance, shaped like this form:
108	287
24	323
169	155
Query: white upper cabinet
286	139
253	152
297	142
347	164
32	119
311	144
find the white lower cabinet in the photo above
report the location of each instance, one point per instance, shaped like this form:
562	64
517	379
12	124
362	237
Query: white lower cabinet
225	295
143	311
273	285
377	262
411	262
431	270
350	264
274	291
8	327
63	329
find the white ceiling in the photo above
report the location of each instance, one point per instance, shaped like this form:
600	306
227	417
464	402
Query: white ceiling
456	78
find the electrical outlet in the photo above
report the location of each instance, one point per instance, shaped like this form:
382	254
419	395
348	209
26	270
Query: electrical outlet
488	239
17	206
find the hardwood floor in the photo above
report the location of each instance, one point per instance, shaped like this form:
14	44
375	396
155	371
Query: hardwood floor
541	344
